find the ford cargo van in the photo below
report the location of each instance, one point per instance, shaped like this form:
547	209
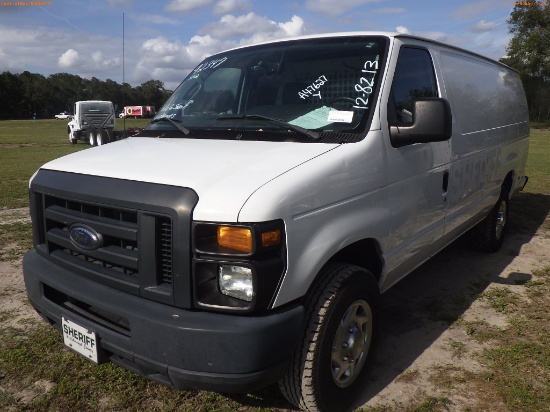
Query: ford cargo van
245	236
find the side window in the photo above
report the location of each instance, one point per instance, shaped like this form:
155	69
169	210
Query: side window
414	78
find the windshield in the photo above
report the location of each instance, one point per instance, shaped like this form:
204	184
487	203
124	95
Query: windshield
324	85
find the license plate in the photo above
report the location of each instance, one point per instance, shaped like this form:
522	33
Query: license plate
79	339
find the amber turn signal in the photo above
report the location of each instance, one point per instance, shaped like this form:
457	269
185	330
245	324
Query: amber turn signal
237	238
271	238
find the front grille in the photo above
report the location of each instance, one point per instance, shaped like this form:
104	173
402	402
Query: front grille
144	232
165	250
118	257
97	119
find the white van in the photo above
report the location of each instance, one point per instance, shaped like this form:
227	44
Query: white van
244	237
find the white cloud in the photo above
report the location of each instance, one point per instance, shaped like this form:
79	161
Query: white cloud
68	59
335	8
186	5
295	27
97	56
102	62
483	26
402	30
474	9
173	59
231	6
252	28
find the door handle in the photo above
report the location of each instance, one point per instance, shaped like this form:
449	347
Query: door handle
445	181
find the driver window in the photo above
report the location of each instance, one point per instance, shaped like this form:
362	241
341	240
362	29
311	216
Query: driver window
218	91
414	78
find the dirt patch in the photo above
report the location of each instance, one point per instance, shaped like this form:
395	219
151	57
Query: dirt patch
15	311
8	216
426	348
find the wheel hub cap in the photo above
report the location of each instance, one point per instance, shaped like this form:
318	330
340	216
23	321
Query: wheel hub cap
351	343
501	220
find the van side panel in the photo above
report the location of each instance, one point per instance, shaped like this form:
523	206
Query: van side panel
490	132
327	203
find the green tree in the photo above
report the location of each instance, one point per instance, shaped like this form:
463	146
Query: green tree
10	107
529	49
152	93
35	95
66	89
25	94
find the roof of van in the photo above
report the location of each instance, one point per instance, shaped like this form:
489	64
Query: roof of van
373	33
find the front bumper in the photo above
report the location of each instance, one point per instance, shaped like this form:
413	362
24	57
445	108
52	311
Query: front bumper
175	347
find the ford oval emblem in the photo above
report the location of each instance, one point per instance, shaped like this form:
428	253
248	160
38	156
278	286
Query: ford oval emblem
85	237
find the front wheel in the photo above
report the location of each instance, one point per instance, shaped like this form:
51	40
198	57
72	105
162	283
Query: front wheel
72	140
330	366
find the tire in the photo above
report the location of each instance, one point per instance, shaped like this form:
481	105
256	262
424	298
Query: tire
109	135
92	138
72	140
100	137
488	235
330	365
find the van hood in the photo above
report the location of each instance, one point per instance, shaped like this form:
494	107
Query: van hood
223	173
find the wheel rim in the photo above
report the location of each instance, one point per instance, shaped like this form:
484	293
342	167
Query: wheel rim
91	138
351	343
501	220
99	138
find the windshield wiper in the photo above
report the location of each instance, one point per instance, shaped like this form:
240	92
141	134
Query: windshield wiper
305	132
176	123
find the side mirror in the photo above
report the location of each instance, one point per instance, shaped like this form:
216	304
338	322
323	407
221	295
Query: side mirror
432	122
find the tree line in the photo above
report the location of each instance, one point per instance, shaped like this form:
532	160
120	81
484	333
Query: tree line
529	53
27	95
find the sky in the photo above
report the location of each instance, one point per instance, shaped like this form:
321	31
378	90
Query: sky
164	40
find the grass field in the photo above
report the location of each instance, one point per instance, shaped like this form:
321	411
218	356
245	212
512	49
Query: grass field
517	364
26	145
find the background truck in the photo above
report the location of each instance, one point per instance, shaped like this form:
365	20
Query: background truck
93	121
63	116
138	111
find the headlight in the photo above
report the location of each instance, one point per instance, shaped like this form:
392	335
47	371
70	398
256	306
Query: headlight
236	281
237	267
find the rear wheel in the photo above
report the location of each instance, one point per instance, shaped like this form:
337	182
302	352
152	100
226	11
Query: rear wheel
110	135
92	138
330	366
488	235
100	137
